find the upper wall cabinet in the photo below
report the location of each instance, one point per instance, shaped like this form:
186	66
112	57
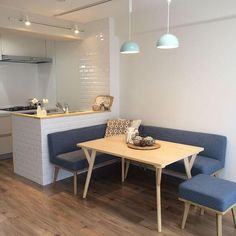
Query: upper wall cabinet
20	45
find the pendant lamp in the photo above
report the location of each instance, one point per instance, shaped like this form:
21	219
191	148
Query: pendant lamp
168	41
129	47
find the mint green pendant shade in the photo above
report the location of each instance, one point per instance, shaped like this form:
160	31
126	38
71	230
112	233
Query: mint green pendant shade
168	41
129	47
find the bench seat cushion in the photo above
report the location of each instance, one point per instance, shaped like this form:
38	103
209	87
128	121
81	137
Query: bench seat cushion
202	165
76	160
214	193
214	145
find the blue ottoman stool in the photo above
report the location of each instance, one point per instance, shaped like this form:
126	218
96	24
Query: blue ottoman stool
209	193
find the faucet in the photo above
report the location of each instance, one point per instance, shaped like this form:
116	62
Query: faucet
65	109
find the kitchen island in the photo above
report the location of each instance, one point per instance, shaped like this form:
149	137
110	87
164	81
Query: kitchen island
30	145
5	135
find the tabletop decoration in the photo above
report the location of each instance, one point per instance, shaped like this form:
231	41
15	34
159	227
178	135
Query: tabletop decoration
143	143
131	133
41	110
103	103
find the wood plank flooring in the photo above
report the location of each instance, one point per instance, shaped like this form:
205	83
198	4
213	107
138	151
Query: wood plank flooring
111	208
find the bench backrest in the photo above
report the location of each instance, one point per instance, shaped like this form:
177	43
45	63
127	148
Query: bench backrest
65	141
214	145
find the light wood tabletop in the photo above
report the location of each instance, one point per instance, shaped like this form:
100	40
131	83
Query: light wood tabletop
168	153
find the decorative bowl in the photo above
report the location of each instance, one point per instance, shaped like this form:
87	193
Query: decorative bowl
143	141
149	141
137	140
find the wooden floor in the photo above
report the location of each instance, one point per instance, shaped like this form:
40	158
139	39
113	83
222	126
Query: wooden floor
111	208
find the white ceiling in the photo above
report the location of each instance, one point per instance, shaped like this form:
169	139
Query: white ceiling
148	14
52	7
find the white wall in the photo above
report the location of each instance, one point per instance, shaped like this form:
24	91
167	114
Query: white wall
20	82
67	71
88	68
190	88
66	79
46	76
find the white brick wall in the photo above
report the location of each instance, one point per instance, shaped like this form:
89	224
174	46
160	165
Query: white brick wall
30	147
27	149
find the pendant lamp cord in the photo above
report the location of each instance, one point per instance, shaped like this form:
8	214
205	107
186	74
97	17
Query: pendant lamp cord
168	17
130	12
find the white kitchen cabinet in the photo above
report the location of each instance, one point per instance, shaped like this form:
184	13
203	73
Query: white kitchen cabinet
5	135
20	45
5	125
5	145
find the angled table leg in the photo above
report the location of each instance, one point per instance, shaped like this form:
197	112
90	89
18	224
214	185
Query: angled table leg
127	168
123	170
188	163
91	160
158	196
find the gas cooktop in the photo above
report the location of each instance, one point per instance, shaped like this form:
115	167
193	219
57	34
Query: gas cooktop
19	108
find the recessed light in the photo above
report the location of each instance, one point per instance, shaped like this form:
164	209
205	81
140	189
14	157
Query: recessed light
27	21
76	29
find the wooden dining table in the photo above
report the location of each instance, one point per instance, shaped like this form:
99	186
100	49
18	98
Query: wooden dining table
168	153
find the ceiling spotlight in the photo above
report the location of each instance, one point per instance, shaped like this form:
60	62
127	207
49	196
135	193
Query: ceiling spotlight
76	30
26	21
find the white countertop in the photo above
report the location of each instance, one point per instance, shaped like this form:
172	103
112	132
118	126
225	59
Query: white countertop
5	113
57	115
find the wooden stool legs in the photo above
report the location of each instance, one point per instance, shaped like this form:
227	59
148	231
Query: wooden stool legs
56	171
219	217
234	215
202	211
75	183
219	224
185	216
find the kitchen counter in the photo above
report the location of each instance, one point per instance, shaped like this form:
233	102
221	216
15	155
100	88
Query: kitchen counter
5	113
30	140
57	114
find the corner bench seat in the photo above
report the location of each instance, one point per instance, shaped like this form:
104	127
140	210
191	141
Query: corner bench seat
64	153
210	161
202	165
76	160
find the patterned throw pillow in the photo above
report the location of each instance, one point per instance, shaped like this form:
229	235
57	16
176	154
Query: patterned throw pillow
116	127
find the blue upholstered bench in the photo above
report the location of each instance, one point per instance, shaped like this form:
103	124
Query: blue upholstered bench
209	193
64	154
209	162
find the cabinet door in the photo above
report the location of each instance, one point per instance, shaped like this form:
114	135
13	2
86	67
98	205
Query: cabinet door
5	125
5	144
